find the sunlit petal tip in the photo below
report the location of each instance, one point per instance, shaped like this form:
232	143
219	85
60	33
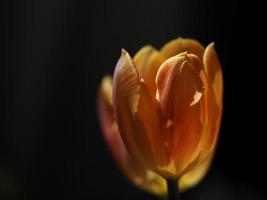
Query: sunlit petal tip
125	56
125	82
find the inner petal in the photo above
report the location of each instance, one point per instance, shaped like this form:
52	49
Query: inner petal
179	92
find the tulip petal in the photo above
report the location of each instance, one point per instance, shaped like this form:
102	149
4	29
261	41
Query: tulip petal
180	45
142	57
147	61
148	116
137	115
125	101
144	179
214	72
214	99
179	91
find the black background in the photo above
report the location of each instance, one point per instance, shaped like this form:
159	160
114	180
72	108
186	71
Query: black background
54	54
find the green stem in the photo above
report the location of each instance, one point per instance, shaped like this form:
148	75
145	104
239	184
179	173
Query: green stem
173	189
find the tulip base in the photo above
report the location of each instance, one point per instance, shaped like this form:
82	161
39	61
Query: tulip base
173	189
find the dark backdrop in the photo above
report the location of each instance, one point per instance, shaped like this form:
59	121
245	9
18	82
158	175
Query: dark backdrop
54	54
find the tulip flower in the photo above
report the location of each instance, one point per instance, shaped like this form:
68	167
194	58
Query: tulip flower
160	114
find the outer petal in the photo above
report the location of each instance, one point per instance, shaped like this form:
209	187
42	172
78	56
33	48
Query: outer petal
214	102
180	45
147	61
214	72
144	179
179	91
137	115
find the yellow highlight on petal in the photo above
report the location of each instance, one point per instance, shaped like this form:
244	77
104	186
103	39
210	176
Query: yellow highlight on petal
197	97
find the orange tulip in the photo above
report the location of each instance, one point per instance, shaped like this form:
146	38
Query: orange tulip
161	113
